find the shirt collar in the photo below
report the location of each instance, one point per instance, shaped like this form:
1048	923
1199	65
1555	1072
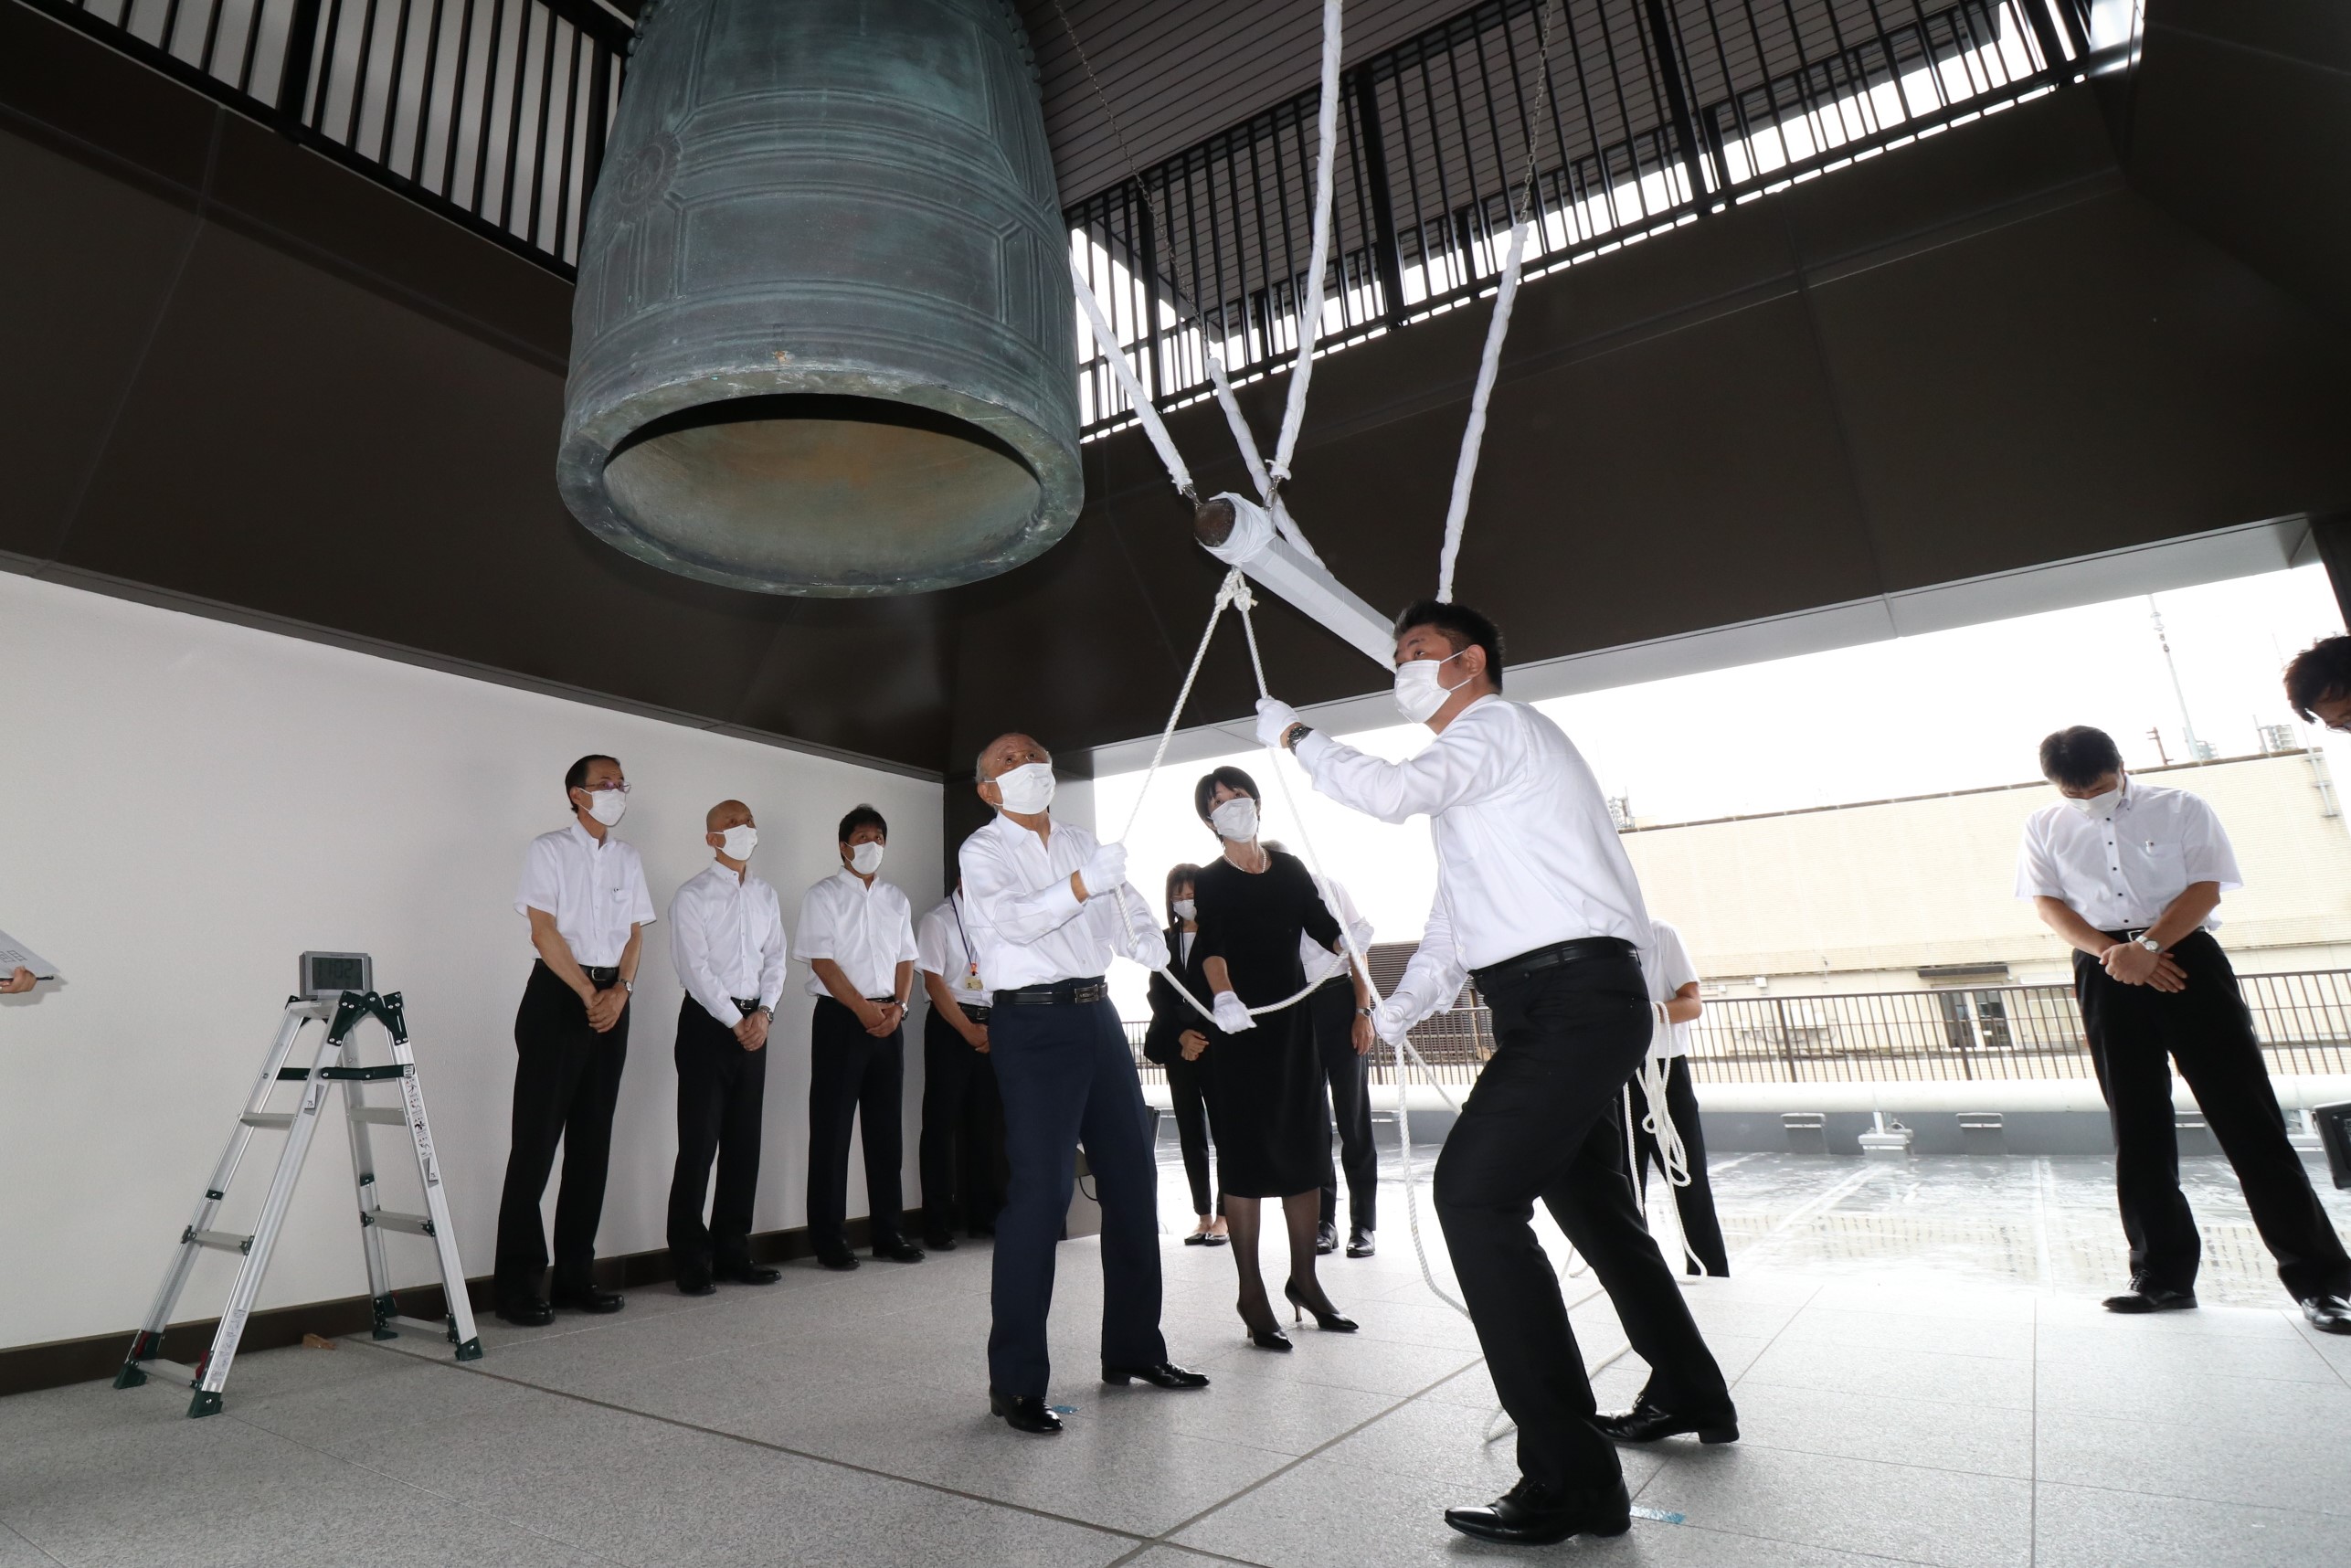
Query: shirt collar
587	840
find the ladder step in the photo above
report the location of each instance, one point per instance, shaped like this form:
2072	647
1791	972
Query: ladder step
389	1116
220	1241
422	1325
178	1372
281	1120
415	1224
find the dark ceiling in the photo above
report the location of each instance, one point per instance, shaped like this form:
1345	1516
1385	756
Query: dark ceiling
247	381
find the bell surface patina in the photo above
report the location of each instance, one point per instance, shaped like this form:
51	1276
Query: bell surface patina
823	340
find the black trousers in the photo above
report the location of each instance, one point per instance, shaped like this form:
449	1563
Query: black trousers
1188	1100
1068	1078
1543	1124
2135	1034
567	1081
962	1147
1332	1012
722	1091
853	1080
1694	1203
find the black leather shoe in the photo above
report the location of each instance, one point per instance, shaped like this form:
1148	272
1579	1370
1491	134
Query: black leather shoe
2328	1314
527	1314
1648	1421
588	1300
1024	1413
696	1282
1329	1322
899	1251
840	1258
1529	1514
939	1241
1326	1240
2145	1298
747	1273
1164	1374
1360	1243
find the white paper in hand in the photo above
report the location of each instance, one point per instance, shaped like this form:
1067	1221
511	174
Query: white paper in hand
15	955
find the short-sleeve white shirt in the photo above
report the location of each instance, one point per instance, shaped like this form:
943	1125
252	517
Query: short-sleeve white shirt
940	950
596	892
2121	871
868	928
1670	972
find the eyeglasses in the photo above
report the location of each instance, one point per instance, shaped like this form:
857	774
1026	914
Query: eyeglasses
606	787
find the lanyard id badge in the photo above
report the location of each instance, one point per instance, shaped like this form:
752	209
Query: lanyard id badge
970	964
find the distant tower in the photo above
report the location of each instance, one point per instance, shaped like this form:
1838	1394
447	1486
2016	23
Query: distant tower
2198	751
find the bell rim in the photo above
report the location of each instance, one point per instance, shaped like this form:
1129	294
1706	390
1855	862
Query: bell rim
592	436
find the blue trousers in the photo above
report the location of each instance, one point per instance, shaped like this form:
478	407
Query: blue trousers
1067	1077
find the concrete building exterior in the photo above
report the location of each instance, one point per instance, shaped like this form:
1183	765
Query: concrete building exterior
1918	893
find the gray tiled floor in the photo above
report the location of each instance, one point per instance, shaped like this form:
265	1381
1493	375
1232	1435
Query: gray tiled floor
1922	1373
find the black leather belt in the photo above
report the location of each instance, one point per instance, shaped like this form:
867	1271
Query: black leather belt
601	974
973	1012
1583	950
745	1005
1061	993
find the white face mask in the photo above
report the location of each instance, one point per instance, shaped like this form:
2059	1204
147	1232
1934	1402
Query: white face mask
1027	789
1235	819
1185	909
739	841
865	859
1419	694
606	806
2097	805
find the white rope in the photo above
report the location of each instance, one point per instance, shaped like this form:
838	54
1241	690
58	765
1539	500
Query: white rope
1473	436
1247	440
1310	311
1108	342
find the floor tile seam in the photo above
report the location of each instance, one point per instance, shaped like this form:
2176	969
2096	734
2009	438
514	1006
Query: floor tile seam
1749	1380
2337	1518
1791	1540
1774	1340
449	1499
1765	1445
826	1459
35	1547
1168	1535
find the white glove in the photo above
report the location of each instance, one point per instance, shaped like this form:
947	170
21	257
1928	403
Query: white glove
1106	871
1388	1022
1274	718
1232	1014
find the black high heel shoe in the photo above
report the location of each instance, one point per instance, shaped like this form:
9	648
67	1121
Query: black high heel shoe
1269	1338
1328	1322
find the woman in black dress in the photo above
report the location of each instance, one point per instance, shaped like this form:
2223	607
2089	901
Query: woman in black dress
1265	1080
1187	1077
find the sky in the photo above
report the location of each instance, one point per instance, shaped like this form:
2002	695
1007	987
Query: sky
1946	710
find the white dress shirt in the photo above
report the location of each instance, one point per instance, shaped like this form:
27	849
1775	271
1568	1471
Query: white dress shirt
2120	871
1318	961
1667	970
940	950
726	939
596	892
868	928
1026	921
1527	854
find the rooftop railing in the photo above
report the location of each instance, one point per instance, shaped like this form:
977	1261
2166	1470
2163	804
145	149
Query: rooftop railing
2301	1018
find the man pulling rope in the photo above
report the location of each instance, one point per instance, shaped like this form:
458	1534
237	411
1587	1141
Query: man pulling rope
1537	901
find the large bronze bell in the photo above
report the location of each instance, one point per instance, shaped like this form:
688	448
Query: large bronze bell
824	341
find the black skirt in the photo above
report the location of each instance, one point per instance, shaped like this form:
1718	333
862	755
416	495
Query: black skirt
1265	1107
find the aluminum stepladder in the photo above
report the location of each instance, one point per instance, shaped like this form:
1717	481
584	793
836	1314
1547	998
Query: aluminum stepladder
336	1061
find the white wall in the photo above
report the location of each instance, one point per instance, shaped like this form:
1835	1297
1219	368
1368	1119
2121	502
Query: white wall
186	805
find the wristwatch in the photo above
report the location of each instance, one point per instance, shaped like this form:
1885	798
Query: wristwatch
1362	1013
627	985
2150	944
1296	732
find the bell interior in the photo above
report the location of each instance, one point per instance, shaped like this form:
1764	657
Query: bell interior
814	487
